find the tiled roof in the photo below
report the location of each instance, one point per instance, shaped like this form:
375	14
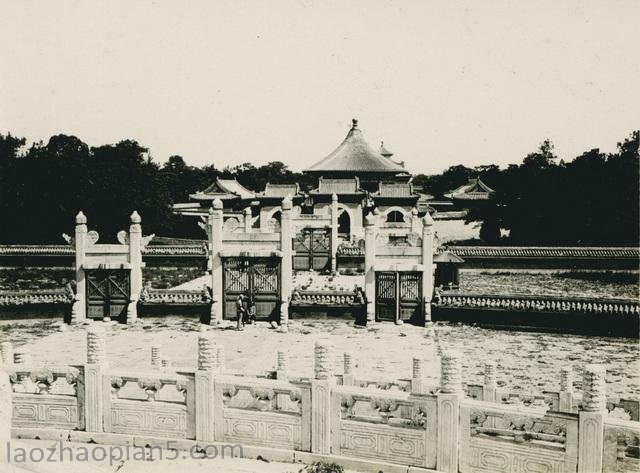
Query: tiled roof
355	154
447	257
395	189
280	190
475	189
338	186
546	252
224	189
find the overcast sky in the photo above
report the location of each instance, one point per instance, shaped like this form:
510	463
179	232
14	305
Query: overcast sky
441	83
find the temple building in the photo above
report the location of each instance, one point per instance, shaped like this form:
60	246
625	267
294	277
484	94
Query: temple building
362	178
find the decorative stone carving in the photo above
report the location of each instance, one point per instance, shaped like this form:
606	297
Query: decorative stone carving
123	237
450	372
96	345
594	398
323	360
92	237
43	379
6	352
151	387
155	355
490	374
207	352
566	379
116	384
69	239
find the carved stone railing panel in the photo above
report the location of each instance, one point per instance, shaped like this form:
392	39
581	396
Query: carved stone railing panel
36	296
545	252
259	394
323	298
174	297
621	445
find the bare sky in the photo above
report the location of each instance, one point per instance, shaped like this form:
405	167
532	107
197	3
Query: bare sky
442	82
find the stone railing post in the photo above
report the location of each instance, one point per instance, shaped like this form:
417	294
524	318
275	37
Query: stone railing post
22	356
6	353
206	405
155	355
94	370
216	221
247	220
282	366
286	268
135	259
79	308
566	389
6	412
321	387
417	376
449	412
591	419
490	385
369	266
427	262
348	373
334	233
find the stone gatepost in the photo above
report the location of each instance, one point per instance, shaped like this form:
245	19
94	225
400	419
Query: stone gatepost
416	224
490	385
135	260
206	405
321	387
591	419
348	376
94	369
79	308
247	220
427	262
369	266
449	412
566	389
334	233
216	221
286	264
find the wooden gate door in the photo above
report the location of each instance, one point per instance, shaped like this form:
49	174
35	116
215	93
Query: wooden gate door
313	249
398	296
410	301
386	301
108	293
255	277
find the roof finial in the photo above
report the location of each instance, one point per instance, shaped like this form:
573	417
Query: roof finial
354	122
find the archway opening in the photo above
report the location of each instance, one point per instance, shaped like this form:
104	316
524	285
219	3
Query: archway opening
344	223
395	216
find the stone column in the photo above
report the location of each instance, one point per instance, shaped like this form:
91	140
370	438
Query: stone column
247	220
94	370
490	385
566	389
369	266
286	265
208	364
348	376
216	220
427	261
449	412
79	308
334	233
135	259
321	387
591	419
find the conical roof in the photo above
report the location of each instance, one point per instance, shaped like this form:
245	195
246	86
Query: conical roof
355	154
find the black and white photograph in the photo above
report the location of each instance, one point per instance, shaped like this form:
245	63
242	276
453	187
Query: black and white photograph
319	236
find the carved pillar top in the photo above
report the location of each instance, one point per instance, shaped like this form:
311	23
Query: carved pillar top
96	345
427	222
6	352
417	371
348	362
323	360
490	374
594	397
207	352
217	204
370	221
566	379
81	219
286	203
450	372
283	361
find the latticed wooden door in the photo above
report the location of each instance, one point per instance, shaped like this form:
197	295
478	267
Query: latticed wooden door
258	278
386	300
108	293
313	249
410	304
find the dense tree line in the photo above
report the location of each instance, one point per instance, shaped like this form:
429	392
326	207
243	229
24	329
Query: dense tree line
592	200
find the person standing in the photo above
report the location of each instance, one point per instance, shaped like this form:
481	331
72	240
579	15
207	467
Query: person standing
240	311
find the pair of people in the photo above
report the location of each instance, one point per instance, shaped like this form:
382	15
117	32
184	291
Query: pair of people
245	310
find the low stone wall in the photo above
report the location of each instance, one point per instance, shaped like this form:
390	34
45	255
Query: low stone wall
389	425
